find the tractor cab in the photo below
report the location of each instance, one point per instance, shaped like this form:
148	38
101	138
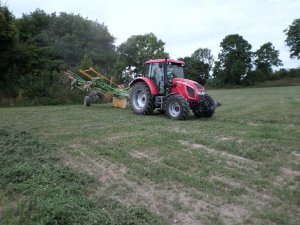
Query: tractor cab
162	72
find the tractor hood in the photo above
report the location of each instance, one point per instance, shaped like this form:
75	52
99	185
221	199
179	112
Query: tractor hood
189	89
183	81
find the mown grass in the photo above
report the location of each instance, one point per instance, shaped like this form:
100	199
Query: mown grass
45	192
245	157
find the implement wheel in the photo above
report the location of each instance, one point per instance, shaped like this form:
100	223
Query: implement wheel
87	101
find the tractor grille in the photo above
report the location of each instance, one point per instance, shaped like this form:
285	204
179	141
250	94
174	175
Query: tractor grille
201	98
190	91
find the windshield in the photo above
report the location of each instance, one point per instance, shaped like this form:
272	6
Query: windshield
175	70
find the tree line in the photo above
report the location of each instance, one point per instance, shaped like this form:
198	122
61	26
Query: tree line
36	48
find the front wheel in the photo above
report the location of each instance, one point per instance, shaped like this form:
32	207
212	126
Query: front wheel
177	107
141	99
205	108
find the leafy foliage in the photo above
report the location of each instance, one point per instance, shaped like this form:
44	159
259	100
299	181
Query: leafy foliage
7	46
204	55
72	36
293	38
199	65
140	48
38	46
266	57
7	29
234	59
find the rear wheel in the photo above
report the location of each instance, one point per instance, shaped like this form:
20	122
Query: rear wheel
141	99
177	107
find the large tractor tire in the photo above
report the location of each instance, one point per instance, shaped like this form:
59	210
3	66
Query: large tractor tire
205	109
141	99
177	107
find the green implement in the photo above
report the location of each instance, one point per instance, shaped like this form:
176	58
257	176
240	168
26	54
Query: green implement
93	84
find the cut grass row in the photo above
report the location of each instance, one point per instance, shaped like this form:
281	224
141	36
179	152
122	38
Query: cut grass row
37	189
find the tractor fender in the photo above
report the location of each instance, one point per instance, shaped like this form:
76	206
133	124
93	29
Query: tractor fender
148	81
169	95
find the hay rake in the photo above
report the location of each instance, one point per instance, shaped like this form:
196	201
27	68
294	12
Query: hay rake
93	84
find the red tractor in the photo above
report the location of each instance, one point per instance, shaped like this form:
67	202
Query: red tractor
165	88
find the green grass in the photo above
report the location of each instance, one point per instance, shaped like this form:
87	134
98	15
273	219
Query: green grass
287	81
46	192
102	165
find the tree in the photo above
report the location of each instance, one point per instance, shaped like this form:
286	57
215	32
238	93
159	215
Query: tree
35	48
199	65
72	36
53	42
86	62
293	38
266	57
36	63
34	42
7	28
140	48
204	55
196	70
8	42
234	60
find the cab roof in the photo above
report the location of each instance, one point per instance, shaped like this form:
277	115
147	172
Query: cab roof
164	60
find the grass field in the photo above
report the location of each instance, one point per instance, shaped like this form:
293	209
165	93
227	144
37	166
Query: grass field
102	165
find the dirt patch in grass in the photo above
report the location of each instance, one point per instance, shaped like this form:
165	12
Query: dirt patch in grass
224	138
178	204
251	196
218	152
253	124
106	171
145	154
285	177
296	156
108	139
77	146
233	214
291	127
290	173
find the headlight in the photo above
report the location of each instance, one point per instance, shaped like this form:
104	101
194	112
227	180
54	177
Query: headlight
201	92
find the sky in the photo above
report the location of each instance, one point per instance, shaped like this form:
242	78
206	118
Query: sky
184	25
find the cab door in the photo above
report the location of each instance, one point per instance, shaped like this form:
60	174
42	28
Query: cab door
156	73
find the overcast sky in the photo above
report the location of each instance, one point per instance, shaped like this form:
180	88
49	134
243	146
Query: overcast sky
184	25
